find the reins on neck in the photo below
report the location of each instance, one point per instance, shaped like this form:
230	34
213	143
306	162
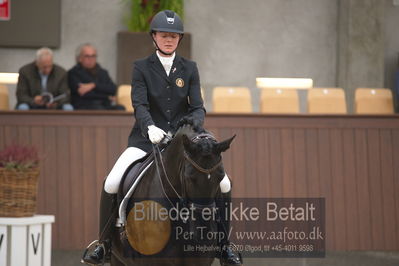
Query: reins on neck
156	151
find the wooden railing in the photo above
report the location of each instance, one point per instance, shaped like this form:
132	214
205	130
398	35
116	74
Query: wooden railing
351	161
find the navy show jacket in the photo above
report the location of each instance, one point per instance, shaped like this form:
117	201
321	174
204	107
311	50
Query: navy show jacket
163	100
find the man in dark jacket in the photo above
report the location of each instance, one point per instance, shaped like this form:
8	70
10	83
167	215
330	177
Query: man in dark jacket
42	84
91	86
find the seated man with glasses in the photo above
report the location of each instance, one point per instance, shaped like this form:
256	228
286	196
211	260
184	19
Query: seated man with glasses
91	85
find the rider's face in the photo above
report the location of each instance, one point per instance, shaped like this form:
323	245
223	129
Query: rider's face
166	41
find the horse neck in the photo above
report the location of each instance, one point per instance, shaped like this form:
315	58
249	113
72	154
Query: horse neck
173	161
174	154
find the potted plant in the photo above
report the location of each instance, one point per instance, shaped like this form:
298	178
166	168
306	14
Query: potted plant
142	12
19	171
135	43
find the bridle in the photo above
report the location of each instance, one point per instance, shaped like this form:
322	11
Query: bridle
183	198
197	166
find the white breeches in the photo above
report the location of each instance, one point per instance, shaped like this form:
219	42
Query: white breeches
225	184
129	156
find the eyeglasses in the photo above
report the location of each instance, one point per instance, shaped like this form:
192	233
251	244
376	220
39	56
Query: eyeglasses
89	56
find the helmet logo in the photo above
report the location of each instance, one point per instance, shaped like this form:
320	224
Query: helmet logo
170	20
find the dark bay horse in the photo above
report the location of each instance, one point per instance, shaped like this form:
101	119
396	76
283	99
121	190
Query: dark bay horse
171	216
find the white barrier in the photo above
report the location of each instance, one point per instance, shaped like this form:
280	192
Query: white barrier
26	241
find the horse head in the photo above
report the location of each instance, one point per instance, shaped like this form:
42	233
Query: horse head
202	167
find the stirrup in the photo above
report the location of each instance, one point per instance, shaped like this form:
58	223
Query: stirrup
234	249
92	245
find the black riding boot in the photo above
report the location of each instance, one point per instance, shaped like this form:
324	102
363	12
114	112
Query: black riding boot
107	223
227	255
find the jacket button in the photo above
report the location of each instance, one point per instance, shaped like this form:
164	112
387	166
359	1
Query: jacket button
168	99
168	111
168	123
168	87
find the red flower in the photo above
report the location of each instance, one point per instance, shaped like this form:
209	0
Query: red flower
18	156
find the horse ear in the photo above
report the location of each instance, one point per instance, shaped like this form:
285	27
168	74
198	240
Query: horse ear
187	143
224	145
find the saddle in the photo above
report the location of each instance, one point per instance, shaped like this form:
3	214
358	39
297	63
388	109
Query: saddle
131	175
131	178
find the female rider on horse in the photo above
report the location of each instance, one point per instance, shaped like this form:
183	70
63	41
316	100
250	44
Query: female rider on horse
165	88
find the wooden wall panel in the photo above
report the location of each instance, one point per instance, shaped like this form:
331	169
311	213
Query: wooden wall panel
374	174
63	186
276	183
90	203
395	157
77	191
37	140
263	162
50	178
326	180
312	163
363	189
348	160
351	206
2	133
287	158
248	157
300	174
388	195
337	219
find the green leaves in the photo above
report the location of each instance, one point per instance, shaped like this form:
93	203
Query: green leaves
141	12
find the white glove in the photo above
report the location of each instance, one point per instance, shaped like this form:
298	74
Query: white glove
155	134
